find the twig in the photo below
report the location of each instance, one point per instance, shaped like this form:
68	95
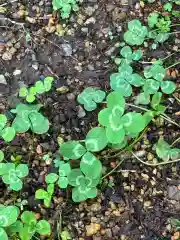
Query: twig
113	169
154	164
177	140
173	65
176	98
13	22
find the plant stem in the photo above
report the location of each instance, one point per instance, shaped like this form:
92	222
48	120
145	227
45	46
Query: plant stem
135	106
169	56
113	169
176	98
154	164
177	140
173	65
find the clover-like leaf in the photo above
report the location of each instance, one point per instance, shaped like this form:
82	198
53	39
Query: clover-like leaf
156	99
3	234
126	52
30	98
50	189
168	87
41	194
39	124
96	139
156	71
133	122
48	83
72	150
161	37
8	133
142	98
23	92
63	182
20	124
90	166
75	176
64	170
43	227
151	86
136	33
89	97
3	121
51	178
8	216
22	170
137	55
152	19
39	87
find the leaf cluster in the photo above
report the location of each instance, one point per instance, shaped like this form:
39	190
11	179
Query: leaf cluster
40	87
6	132
65	7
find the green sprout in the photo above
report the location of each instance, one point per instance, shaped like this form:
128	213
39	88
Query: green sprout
8	216
130	55
136	33
124	80
28	117
12	174
46	196
7	133
165	151
65	7
40	87
90	97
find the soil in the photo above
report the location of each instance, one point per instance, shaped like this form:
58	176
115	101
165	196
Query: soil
139	203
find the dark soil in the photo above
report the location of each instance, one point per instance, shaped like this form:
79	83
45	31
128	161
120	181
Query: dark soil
138	205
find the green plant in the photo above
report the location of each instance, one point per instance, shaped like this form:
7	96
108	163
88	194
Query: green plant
90	97
7	133
8	216
165	151
136	33
65	235
163	24
168	6
46	196
125	79
65	7
12	174
28	117
40	87
29	226
1	156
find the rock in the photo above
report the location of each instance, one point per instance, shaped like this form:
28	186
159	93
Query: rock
70	96
67	49
90	20
89	10
12	50
118	15
95	207
81	112
31	20
110	7
17	72
3	79
108	233
63	89
173	193
92	229
7	56
116	231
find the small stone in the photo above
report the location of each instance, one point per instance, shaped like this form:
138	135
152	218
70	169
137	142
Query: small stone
147	203
89	10
150	156
95	207
7	56
70	96
108	233
30	20
110	7
12	50
63	89
17	72
67	49
90	20
81	112
3	79
92	229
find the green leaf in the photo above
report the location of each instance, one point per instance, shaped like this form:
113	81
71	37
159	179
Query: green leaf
78	196
90	166
43	227
8	216
15	227
142	98
115	134
152	19
22	170
137	55
23	92
168	7
96	139
8	134
20	125
41	194
126	52
92	193
50	189
1	156
136	80
28	218
63	182
4	168
174	153
47	201
75	176
151	86
48	83
162	149
39	124
115	99
30	98
133	122
72	150
156	99
158	72
16	184
161	37
51	178
64	170
120	145
168	87
3	121
39	87
3	234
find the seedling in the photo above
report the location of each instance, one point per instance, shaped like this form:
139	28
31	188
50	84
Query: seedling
165	151
12	174
30	226
46	196
7	133
65	7
90	97
130	55
8	216
28	117
40	87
